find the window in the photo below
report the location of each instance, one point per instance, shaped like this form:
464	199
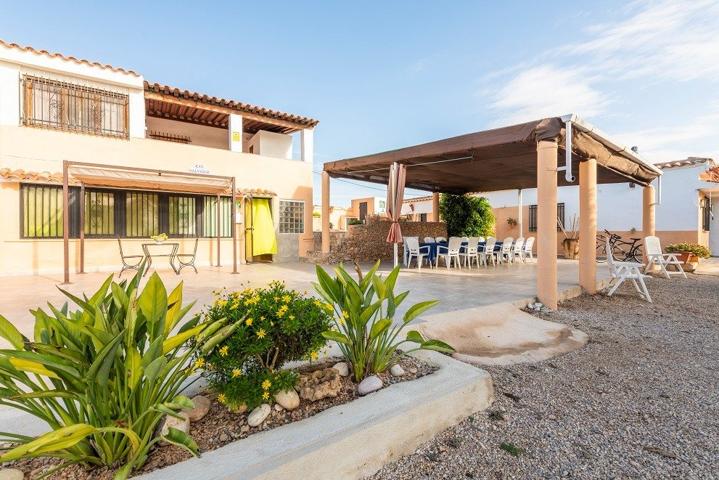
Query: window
706	214
142	217
422	217
533	216
292	216
120	213
74	108
99	213
182	216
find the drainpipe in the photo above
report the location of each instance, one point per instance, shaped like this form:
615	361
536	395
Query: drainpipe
567	168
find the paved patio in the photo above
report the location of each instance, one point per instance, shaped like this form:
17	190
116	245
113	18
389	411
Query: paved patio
456	290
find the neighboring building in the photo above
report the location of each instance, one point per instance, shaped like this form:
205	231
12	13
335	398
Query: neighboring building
55	108
688	195
418	209
360	208
338	218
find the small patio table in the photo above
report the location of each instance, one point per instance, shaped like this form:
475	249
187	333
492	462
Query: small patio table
173	251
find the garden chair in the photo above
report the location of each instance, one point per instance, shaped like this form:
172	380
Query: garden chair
405	251
471	252
653	251
527	250
621	271
129	262
482	240
451	251
411	244
441	239
428	239
505	254
186	259
517	249
488	252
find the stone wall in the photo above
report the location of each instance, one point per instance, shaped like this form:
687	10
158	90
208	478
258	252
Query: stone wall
367	243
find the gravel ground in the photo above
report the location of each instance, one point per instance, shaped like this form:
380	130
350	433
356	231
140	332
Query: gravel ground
640	400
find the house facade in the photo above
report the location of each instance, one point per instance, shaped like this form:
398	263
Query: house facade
55	108
686	210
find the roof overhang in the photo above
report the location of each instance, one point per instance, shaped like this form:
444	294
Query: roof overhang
499	159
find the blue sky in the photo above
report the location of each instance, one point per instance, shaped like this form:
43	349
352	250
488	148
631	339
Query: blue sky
382	75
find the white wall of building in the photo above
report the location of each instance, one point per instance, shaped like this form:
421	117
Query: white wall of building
271	144
200	135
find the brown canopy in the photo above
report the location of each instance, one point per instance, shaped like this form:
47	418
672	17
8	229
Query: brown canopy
499	159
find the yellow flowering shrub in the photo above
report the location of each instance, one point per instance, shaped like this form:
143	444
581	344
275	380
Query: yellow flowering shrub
277	325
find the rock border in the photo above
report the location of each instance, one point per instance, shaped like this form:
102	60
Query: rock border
352	440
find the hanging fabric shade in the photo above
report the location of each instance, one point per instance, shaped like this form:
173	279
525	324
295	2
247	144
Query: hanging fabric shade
263	234
395	195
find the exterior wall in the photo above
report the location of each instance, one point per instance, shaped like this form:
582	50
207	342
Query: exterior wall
200	135
43	150
714	233
375	206
338	219
271	144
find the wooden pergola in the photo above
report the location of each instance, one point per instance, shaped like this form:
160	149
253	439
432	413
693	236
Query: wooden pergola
117	176
520	156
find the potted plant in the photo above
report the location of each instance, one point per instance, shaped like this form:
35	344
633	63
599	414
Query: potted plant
512	222
571	238
689	254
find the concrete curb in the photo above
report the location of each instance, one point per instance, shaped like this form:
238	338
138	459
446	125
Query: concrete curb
352	440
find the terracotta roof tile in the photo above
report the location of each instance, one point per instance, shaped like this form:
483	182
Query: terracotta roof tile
233	104
711	175
683	163
79	61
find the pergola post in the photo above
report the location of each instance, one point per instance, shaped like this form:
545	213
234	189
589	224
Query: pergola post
588	225
82	228
547	223
648	214
325	212
65	224
217	225
435	206
520	208
233	225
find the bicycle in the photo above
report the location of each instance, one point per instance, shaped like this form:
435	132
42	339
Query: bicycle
622	250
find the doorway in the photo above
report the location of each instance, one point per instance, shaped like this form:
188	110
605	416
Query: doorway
260	239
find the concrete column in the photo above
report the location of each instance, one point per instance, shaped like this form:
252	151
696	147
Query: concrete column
234	129
435	206
648	219
520	216
307	139
547	223
588	225
325	212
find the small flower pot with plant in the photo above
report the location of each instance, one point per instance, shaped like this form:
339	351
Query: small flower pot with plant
689	254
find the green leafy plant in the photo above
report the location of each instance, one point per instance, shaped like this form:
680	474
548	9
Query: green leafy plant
278	325
102	376
467	215
364	318
699	250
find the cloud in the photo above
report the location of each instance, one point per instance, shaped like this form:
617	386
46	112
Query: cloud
526	97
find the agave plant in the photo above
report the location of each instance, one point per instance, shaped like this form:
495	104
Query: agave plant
364	310
103	376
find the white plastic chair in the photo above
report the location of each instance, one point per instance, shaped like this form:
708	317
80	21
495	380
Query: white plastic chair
405	253
441	239
517	249
428	239
527	250
482	240
415	251
488	252
506	253
471	252
621	271
653	251
451	251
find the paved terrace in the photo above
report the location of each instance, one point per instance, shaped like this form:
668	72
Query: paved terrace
456	290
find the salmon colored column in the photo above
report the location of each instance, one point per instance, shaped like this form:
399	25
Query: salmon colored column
588	225
325	212
435	207
547	223
648	225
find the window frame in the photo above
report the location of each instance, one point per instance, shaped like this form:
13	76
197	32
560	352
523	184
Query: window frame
532	224
283	223
706	211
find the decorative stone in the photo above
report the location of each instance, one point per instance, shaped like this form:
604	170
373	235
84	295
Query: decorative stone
202	406
11	474
369	385
397	370
342	368
182	424
320	384
244	429
288	399
258	415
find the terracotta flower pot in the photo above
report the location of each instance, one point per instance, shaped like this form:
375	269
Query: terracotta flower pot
571	248
689	260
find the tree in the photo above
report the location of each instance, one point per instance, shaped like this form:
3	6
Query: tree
467	215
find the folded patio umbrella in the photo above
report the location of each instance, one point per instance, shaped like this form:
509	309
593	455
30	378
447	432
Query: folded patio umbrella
395	194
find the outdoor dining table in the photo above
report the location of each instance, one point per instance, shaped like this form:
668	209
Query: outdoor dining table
434	248
174	246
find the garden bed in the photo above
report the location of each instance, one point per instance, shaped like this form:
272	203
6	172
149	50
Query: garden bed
221	427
